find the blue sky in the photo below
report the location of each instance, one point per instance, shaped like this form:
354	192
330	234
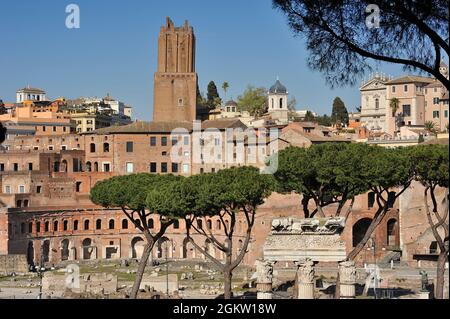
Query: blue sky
240	41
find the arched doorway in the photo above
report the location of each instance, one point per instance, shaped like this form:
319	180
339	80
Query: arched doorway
164	248
391	239
188	250
45	251
137	247
65	252
30	253
88	249
359	230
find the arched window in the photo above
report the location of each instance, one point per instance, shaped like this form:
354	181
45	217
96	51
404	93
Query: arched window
218	225
75	225
47	227
281	103
176	224
377	104
124	223
88	167
55	225
96	167
98	224
359	230
106	147
92	147
209	224
86	224
66	225
111	224
38	227
151	223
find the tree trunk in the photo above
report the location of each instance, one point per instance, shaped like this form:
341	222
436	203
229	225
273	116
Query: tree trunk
337	293
227	276
367	236
141	269
439	290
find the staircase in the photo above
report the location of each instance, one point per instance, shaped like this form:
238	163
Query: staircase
394	256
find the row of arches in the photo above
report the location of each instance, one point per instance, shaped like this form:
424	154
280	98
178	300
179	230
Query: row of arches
66	249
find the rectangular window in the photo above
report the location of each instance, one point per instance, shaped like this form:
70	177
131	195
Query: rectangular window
153	167
371	199
164	141
185	168
21	189
130	147
163	167
30	166
7	189
435	114
15	167
407	110
393	89
436	100
130	168
63	148
106	167
186	140
38	189
2	167
406	88
174	168
445	113
152	141
174	141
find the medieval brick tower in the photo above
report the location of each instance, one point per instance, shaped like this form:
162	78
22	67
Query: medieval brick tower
175	93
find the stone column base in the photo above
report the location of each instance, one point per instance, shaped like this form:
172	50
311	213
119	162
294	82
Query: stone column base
306	291
347	291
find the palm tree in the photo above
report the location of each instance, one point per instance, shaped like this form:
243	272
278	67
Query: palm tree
225	87
395	105
430	127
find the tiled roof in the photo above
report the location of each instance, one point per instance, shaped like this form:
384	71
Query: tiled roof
31	90
411	79
166	127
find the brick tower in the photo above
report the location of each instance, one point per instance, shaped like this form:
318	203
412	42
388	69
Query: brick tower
175	93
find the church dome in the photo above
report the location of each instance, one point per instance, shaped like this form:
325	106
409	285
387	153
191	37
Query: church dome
231	103
278	88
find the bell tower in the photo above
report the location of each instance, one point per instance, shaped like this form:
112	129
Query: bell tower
175	82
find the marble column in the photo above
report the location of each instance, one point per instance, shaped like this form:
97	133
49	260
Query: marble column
347	276
264	273
305	277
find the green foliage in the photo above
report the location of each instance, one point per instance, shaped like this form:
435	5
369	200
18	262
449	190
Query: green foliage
309	117
324	120
394	103
128	191
339	114
253	100
431	164
212	97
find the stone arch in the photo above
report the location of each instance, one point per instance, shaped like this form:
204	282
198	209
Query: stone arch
188	250
88	249
65	251
164	248
392	229
137	247
45	251
30	253
359	229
